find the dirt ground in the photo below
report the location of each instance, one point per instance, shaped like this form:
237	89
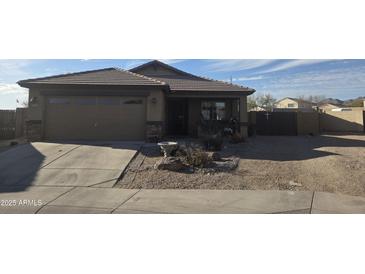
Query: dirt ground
332	163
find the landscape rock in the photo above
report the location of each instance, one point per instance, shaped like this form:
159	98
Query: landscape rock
215	156
170	163
226	164
292	183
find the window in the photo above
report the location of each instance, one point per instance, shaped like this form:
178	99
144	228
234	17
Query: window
109	101
213	110
59	101
291	105
133	102
85	101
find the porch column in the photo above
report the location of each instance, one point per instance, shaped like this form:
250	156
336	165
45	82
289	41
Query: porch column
34	124
155	120
243	116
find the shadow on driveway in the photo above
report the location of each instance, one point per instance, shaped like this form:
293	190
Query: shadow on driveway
20	165
17	164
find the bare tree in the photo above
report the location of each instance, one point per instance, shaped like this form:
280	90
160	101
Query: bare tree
312	98
318	98
252	102
266	101
23	103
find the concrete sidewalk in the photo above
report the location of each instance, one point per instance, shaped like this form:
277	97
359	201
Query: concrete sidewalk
48	199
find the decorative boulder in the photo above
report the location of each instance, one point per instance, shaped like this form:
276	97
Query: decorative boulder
214	156
226	164
170	163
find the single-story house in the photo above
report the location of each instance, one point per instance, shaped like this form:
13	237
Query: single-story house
324	107
149	101
293	104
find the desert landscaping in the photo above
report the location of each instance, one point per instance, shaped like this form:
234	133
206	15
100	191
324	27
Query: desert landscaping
330	163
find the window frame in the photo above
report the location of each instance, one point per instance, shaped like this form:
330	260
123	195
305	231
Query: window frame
213	109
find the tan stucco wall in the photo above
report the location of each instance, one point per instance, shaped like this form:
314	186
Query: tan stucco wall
305	105
284	103
327	107
35	111
342	121
156	110
155	71
243	116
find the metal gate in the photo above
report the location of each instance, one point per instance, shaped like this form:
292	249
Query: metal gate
276	123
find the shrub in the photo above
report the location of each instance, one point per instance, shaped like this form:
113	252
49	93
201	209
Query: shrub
180	152
197	157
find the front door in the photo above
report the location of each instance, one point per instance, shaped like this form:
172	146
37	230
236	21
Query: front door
177	112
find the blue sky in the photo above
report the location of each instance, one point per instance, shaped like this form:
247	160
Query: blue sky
342	79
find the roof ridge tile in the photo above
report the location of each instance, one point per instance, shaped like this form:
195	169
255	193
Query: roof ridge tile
140	75
224	82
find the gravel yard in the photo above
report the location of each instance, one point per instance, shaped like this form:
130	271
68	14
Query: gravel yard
332	163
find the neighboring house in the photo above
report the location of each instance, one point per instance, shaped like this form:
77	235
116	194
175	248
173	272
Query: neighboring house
147	102
347	109
257	109
324	107
293	104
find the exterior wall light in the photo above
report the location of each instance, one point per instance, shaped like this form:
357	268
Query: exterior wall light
33	101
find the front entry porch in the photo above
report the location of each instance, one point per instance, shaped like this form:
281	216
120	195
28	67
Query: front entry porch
177	117
187	116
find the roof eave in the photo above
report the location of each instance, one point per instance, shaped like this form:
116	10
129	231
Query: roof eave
245	92
32	85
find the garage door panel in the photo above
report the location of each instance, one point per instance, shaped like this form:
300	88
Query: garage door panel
107	119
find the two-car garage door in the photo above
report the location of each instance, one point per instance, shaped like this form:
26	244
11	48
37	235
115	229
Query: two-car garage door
95	118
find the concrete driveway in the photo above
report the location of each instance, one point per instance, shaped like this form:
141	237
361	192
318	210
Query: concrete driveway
64	165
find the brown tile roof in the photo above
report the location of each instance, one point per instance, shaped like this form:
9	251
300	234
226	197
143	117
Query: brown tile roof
185	81
108	76
193	83
160	64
